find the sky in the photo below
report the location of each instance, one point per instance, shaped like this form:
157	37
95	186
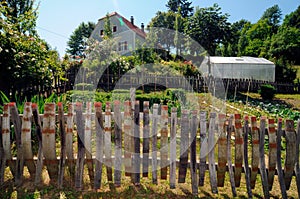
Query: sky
59	18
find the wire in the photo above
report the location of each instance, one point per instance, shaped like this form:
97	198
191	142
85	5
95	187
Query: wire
55	33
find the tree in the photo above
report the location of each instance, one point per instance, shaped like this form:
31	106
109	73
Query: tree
186	10
107	28
273	17
209	27
292	19
77	43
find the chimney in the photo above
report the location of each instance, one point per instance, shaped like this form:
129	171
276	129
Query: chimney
143	27
132	20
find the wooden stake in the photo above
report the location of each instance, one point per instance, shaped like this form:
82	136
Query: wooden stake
62	160
99	145
193	164
184	146
173	148
118	144
204	147
154	143
146	140
255	151
164	142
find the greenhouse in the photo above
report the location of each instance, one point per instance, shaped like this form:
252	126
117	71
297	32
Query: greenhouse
239	68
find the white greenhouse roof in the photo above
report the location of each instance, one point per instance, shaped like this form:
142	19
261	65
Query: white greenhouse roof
239	60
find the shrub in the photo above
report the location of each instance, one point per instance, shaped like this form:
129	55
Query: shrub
267	92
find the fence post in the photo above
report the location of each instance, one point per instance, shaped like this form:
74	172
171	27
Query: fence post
62	159
203	147
297	169
118	144
184	146
107	141
164	142
263	171
290	152
6	138
38	130
48	138
154	143
211	154
173	148
20	157
146	143
230	129
88	141
81	149
99	145
2	155
193	164
238	160
222	159
272	152
26	138
136	156
246	163
127	138
69	139
279	166
255	151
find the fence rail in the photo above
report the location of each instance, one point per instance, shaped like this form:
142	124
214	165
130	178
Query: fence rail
136	142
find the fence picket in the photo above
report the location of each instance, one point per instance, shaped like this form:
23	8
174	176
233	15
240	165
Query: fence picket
238	157
193	162
80	145
222	155
48	138
20	156
173	148
230	129
38	130
154	143
203	147
279	166
211	154
118	144
62	160
107	141
290	152
297	169
88	141
263	170
137	150
184	145
69	140
146	140
255	151
164	143
99	145
127	138
246	163
272	152
26	138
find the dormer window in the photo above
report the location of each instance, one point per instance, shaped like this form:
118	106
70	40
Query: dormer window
114	29
101	33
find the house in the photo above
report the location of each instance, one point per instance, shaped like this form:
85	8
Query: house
239	68
127	33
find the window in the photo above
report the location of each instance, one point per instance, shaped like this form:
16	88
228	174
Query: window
123	46
101	32
114	28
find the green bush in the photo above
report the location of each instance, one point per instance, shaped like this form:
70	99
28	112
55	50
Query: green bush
267	92
84	86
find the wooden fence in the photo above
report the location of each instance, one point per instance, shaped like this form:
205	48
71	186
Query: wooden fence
134	142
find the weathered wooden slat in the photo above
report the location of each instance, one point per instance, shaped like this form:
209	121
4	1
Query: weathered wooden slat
137	142
2	156
99	145
38	130
88	141
290	152
146	139
184	146
238	155
69	140
246	163
49	142
107	141
80	145
173	148
127	138
272	152
230	129
193	164
263	170
204	147
7	139
26	138
297	169
154	143
118	144
211	154
20	156
62	160
279	166
222	153
164	143
255	151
